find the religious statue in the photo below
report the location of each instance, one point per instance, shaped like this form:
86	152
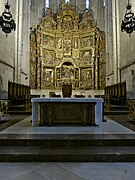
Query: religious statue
67	46
59	43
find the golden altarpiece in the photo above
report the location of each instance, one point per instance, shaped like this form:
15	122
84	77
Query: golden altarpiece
67	49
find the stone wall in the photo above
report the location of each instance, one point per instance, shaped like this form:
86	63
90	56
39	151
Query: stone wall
14	50
102	12
120	53
7	54
36	12
37	8
127	54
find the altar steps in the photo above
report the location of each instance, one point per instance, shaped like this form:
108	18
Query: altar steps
68	154
116	110
67	148
18	111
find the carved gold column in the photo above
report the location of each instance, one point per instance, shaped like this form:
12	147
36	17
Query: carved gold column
96	73
96	61
55	79
93	72
38	61
79	77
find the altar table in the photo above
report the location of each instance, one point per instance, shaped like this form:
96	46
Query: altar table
84	111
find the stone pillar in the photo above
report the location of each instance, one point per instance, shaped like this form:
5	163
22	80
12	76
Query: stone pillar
25	43
18	40
109	43
55	5
114	41
118	40
107	38
81	6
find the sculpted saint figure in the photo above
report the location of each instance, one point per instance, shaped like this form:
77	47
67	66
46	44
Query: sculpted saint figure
59	43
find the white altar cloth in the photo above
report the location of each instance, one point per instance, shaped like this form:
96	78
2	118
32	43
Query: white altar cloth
98	107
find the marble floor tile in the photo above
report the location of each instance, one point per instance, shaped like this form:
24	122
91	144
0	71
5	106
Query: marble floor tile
69	176
33	175
52	171
67	171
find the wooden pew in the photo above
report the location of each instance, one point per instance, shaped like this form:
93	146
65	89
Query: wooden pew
115	95
18	94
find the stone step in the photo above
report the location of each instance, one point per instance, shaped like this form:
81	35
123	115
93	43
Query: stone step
67	140
116	112
19	112
118	107
69	154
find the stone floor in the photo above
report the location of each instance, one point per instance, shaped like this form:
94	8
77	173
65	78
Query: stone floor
124	120
67	171
108	127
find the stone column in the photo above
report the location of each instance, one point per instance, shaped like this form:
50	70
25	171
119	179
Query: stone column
18	40
107	33
118	40
81	5
55	5
25	42
114	41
